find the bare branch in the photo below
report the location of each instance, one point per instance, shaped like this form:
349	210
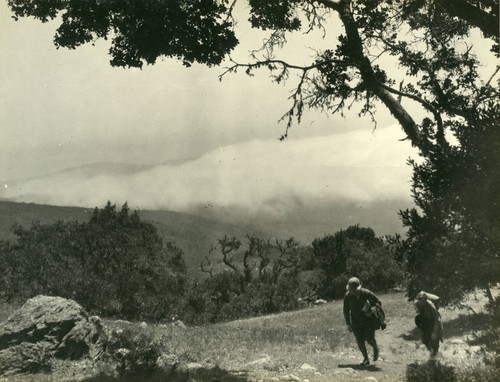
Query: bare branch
315	19
230	11
272	62
297	106
208	268
228	247
276	39
297	95
288	256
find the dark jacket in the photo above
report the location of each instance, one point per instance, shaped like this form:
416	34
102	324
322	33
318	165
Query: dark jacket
429	320
353	307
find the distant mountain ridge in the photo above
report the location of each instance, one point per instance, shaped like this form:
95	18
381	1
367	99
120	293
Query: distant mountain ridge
99	169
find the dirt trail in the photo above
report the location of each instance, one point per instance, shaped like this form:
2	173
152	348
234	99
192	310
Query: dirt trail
400	346
396	354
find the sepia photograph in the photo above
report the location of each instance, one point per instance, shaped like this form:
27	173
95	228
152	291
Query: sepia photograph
249	190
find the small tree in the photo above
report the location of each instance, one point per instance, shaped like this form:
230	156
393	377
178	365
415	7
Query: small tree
259	279
377	268
332	254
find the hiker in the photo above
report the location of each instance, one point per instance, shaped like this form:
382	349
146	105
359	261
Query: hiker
428	320
357	312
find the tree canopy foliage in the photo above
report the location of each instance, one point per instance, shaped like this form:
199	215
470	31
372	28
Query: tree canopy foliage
444	98
141	31
114	264
355	251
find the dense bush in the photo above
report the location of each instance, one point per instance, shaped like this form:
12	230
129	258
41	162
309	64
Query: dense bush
376	267
137	351
223	298
490	339
435	371
430	371
454	230
355	251
114	265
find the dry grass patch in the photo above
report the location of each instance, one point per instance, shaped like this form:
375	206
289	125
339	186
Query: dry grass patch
277	342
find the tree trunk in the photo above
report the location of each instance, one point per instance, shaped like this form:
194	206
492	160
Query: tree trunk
489	294
368	75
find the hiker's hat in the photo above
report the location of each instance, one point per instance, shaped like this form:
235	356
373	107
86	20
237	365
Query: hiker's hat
421	296
353	284
427	296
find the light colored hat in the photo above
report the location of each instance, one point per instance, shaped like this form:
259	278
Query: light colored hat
427	296
353	284
421	296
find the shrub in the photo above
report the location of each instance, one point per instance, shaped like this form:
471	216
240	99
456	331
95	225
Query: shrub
491	338
430	371
137	350
355	252
376	268
478	374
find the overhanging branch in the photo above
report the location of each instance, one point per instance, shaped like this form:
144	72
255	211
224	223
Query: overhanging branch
369	77
425	104
283	64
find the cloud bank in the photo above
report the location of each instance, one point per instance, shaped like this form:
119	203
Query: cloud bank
259	177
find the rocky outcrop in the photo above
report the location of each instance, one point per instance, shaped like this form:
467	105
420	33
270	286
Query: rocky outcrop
44	328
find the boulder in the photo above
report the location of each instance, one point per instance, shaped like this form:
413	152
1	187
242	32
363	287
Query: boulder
179	324
266	360
307	367
24	358
291	377
319	301
79	340
45	327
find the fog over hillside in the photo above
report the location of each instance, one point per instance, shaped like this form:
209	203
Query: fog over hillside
311	183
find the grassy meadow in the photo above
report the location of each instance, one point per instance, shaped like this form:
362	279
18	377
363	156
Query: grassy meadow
310	344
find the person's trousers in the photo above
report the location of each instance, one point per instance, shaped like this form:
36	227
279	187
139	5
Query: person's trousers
365	333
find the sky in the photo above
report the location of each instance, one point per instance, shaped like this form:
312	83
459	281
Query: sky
204	141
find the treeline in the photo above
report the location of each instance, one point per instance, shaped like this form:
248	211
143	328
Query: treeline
116	265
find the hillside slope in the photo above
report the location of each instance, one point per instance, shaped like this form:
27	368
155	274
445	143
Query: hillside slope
314	344
196	232
193	234
311	344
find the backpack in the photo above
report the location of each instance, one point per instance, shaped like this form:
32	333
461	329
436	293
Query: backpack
378	317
